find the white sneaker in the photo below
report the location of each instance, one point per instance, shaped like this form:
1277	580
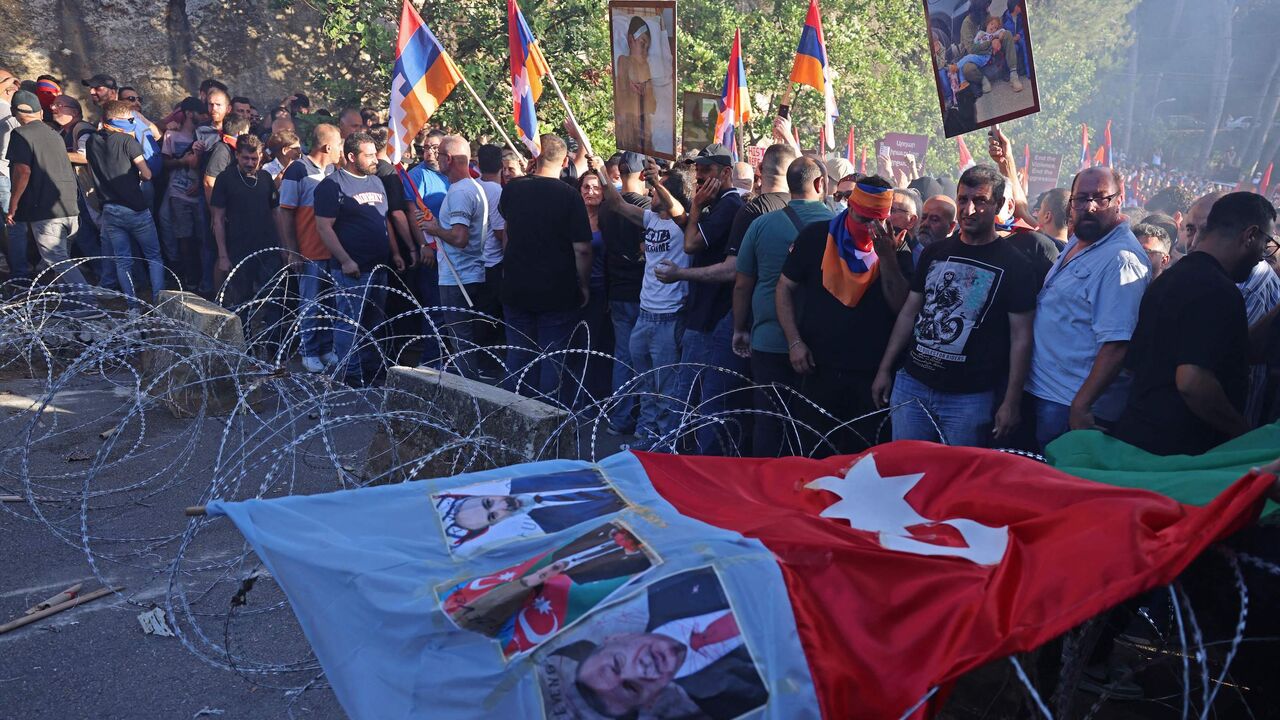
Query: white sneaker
986	84
312	364
330	359
1015	82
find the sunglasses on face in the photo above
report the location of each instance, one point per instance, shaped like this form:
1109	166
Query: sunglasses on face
132	98
842	195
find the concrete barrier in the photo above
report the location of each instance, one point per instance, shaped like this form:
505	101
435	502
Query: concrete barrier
428	409
186	363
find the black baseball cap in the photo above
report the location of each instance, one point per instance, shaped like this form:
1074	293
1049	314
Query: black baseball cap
24	101
100	80
715	154
631	163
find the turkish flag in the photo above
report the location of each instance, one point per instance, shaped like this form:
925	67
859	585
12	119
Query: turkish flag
913	563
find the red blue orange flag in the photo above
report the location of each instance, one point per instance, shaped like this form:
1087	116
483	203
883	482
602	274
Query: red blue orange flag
527	68
422	78
1084	146
735	105
1106	146
812	67
849	147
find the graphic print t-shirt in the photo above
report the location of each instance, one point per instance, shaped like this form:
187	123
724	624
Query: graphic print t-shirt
663	240
961	336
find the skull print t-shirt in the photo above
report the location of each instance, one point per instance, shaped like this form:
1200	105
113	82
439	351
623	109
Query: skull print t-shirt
960	342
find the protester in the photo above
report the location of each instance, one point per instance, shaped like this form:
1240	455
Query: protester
756	332
658	328
546	271
904	216
1086	313
426	187
242	107
42	203
305	250
283	147
18	248
967	324
710	371
1158	246
119	169
462	228
937	222
350	121
594	370
744	178
1189	352
624	264
840	289
351	219
1052	213
182	216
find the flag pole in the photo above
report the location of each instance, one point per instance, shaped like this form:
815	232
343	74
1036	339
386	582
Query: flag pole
488	114
427	214
581	133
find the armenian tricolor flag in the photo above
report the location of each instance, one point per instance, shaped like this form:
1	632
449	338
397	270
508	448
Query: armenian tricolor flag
527	68
1084	146
1105	159
735	105
423	77
812	67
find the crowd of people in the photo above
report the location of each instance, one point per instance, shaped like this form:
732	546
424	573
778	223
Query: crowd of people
760	308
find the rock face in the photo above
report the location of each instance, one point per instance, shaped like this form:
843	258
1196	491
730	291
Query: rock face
427	410
262	49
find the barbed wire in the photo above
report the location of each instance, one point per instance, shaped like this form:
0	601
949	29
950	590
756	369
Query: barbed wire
181	415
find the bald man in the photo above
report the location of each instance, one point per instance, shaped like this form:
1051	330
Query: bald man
1193	222
937	220
744	178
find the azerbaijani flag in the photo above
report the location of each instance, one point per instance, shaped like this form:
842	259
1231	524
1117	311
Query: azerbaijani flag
1084	146
527	68
812	67
735	107
422	78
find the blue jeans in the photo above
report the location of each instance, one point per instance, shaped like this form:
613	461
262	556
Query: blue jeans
462	327
624	315
53	238
655	350
316	333
532	333
89	240
120	225
426	289
709	391
1052	420
359	304
6	235
964	418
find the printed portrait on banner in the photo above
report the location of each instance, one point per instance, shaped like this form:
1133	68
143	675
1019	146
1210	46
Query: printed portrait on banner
643	37
480	516
674	650
524	605
983	65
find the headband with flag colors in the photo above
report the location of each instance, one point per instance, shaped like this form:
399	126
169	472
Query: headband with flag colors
735	107
527	68
812	68
1084	146
422	78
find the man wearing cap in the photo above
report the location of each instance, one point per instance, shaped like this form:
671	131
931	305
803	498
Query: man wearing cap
43	201
624	256
8	86
707	360
967	324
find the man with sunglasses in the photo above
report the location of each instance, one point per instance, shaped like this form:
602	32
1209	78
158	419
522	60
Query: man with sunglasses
1191	348
1086	312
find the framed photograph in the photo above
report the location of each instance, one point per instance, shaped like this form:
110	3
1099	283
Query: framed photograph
523	605
674	650
480	516
983	64
643	37
701	110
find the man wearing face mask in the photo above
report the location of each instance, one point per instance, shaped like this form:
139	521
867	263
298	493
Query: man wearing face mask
1086	312
966	324
1190	350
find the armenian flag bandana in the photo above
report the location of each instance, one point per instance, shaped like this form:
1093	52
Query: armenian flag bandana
850	264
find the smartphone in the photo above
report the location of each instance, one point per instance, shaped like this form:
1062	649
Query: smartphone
784	111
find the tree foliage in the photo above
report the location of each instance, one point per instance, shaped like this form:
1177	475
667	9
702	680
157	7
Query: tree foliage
878	50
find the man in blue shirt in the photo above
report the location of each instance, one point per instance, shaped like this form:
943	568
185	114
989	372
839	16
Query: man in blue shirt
431	186
1086	313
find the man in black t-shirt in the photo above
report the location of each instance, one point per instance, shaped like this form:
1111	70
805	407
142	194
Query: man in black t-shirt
546	270
43	198
966	323
119	169
1189	353
837	314
623	274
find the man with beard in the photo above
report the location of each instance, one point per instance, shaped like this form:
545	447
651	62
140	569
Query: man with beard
937	220
552	502
1190	349
1086	313
431	186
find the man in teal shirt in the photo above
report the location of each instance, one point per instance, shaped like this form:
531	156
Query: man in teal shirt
756	332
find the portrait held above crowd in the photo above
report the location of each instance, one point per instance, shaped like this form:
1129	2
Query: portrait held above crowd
915	374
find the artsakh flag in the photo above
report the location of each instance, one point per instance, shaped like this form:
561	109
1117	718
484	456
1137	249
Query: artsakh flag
966	160
856	584
735	105
528	66
812	66
422	78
